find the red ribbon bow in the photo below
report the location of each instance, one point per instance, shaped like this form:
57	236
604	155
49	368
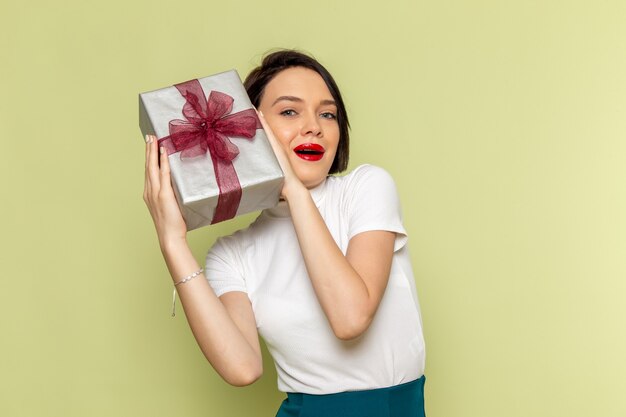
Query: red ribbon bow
207	128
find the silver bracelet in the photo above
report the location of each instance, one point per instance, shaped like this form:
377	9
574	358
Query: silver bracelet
182	281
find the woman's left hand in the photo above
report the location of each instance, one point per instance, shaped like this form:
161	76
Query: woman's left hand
292	181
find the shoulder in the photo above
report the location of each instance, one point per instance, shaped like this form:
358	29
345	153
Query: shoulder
365	171
366	189
370	201
229	258
231	245
225	249
366	178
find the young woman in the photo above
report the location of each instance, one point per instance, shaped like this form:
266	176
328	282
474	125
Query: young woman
325	277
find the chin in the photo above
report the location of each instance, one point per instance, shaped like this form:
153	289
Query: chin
312	184
311	174
311	179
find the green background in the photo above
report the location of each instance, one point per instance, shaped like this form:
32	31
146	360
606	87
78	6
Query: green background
503	123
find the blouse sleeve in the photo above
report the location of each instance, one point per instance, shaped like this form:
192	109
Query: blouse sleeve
372	203
223	268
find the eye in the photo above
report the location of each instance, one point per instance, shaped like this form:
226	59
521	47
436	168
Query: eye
329	115
288	112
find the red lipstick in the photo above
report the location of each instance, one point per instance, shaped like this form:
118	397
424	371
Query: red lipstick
309	151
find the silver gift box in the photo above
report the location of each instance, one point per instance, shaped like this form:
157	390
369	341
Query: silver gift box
193	179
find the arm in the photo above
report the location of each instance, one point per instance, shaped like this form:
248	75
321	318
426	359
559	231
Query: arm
349	288
224	327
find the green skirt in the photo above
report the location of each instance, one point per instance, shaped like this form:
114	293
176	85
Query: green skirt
405	400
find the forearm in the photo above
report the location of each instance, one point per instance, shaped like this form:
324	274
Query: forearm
234	353
341	291
348	287
235	358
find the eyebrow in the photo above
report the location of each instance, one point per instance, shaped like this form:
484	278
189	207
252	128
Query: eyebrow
299	100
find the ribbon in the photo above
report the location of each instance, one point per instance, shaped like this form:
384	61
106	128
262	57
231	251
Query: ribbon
207	127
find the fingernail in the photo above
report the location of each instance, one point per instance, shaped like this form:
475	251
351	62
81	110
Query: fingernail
147	138
162	150
261	113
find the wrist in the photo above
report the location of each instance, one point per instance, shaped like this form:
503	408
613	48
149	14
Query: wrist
173	244
294	190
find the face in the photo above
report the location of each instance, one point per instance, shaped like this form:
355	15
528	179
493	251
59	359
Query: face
302	113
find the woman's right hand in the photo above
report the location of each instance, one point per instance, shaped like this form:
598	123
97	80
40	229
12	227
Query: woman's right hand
159	196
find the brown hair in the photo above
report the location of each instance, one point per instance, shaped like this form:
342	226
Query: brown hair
278	61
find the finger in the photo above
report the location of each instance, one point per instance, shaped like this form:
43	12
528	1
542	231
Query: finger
147	139
266	127
153	165
164	177
146	187
269	134
280	153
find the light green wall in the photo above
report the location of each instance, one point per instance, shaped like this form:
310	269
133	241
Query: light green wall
503	123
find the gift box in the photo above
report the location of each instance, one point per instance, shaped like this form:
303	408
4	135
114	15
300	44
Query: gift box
222	164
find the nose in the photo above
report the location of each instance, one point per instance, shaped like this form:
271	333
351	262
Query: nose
311	126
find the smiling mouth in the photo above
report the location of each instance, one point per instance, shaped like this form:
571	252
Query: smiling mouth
309	151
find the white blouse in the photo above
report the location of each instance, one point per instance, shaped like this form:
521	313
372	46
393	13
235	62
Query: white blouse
264	260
